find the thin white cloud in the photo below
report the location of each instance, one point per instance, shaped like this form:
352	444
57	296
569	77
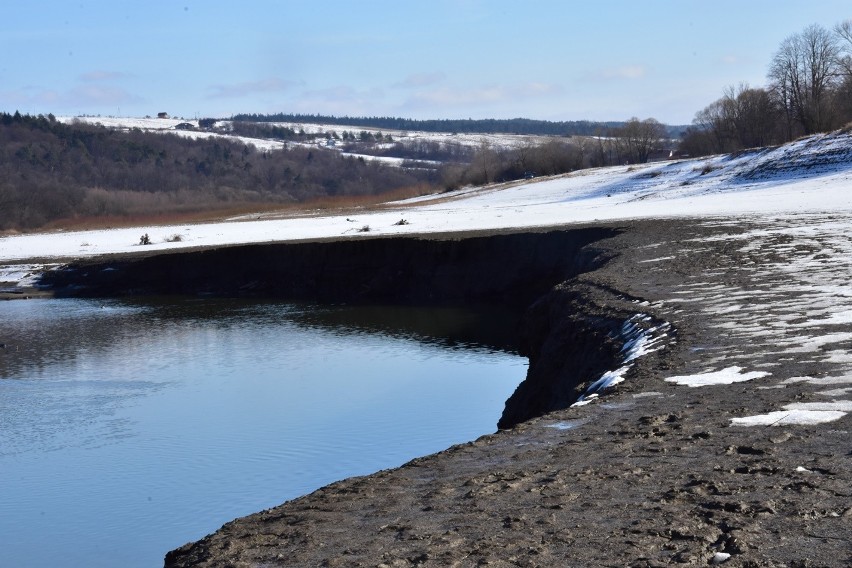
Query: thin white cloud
624	72
98	96
420	80
344	93
341	99
492	94
336	93
95	76
86	96
95	90
537	89
457	97
248	88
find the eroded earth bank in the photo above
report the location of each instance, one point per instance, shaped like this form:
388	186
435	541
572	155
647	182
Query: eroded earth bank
726	441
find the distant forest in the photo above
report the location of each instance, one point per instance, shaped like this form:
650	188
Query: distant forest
50	171
461	126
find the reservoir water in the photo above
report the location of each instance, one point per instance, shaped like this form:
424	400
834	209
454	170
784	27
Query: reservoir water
128	428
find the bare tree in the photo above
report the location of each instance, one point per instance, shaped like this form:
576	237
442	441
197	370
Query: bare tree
843	31
637	139
716	121
752	117
486	164
843	97
802	75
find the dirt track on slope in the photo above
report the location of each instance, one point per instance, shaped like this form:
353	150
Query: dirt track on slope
652	473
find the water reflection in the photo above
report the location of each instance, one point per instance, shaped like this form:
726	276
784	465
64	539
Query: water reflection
130	427
37	334
482	327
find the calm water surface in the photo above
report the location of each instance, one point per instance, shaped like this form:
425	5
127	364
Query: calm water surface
128	429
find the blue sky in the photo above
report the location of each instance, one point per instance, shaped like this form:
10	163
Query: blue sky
542	59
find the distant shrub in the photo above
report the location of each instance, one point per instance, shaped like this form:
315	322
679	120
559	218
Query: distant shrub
145	239
705	169
174	239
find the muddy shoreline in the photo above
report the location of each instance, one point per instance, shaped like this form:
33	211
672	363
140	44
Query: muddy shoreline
650	474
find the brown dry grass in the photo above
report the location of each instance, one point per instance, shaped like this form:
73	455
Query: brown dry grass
213	213
343	202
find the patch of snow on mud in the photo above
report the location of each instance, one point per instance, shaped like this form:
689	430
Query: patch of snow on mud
801	413
726	376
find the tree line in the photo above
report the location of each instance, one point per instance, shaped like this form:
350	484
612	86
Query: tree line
636	142
460	126
50	171
809	90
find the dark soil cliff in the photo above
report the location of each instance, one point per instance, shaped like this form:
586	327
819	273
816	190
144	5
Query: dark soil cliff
511	270
502	269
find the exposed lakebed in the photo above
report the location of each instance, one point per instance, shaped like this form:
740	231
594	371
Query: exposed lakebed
659	471
130	427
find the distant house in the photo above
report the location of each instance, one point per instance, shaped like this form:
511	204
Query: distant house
162	115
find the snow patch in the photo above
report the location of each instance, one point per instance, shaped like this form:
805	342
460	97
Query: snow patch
789	417
726	376
841	405
801	413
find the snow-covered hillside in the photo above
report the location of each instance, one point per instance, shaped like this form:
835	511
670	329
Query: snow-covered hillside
222	128
170	126
812	175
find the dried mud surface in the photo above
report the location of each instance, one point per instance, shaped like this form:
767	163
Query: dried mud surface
652	473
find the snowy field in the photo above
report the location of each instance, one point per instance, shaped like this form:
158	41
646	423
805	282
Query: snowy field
168	125
798	305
